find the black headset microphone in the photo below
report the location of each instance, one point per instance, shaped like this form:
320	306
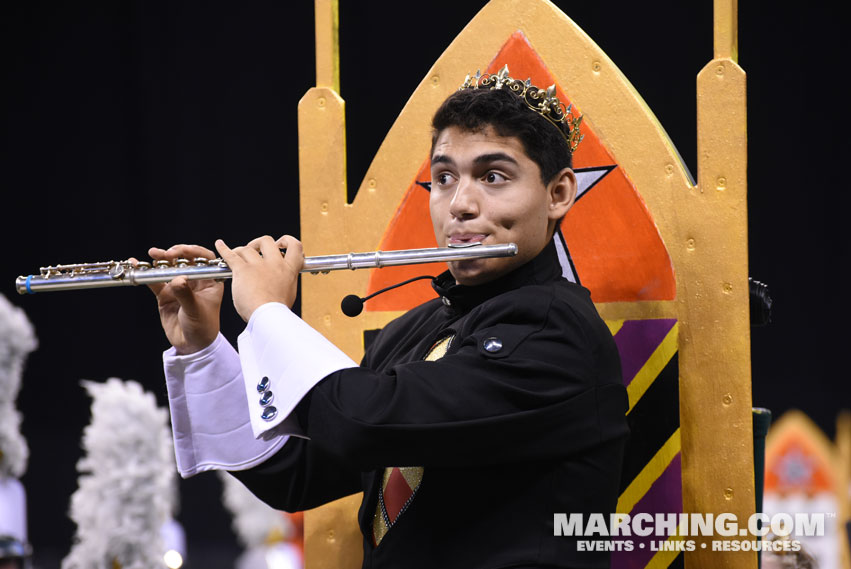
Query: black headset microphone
352	305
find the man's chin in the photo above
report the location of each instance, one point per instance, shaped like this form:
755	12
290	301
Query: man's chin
476	271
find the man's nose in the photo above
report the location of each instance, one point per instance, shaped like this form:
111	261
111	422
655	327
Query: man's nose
465	202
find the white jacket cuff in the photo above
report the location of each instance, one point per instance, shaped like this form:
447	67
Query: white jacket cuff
282	358
209	412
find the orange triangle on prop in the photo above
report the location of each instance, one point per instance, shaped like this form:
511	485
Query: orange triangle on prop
614	243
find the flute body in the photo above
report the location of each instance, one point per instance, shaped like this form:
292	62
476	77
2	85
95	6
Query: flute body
124	273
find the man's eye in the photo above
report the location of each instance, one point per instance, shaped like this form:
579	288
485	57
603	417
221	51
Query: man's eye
443	179
494	178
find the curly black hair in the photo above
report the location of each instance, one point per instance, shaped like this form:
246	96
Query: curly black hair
474	110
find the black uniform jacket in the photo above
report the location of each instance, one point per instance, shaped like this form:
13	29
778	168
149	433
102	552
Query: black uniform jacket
507	437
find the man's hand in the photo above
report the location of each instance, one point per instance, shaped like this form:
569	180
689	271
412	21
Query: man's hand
189	309
261	274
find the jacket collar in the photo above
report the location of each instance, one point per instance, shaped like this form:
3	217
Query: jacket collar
460	299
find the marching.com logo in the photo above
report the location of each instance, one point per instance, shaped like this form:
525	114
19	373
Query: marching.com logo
661	528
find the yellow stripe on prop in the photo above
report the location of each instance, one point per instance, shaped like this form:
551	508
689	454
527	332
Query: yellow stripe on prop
648	475
654	366
614	325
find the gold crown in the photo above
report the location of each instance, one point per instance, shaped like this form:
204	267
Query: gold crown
543	102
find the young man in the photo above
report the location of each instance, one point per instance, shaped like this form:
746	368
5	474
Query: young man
474	418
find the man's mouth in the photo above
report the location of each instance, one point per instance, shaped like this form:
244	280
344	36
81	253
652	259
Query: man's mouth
466	238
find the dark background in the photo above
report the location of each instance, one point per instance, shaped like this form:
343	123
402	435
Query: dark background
137	123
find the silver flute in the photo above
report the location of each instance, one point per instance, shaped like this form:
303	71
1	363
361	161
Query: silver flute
125	273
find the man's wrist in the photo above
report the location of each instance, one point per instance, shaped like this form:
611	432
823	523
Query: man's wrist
197	354
188	350
262	308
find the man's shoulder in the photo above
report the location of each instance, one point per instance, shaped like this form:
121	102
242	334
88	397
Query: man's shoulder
540	299
556	304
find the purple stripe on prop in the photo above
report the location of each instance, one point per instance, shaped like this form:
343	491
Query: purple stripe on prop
665	496
637	340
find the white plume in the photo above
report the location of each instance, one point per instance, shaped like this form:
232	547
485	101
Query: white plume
17	340
126	480
253	520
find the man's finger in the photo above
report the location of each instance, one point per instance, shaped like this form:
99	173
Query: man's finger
180	251
228	255
254	249
156	253
255	243
185	296
290	243
268	248
156	288
295	253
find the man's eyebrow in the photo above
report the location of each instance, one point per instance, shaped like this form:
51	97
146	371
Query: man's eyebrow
482	159
494	157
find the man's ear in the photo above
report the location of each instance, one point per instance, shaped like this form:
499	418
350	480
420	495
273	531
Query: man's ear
561	193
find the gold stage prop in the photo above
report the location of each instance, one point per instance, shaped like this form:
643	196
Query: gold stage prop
702	224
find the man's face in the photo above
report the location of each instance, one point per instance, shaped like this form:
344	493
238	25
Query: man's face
484	188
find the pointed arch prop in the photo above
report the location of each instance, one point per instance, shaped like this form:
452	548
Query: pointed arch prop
805	472
665	258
